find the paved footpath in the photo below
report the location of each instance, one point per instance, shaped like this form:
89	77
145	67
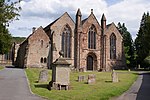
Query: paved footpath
14	86
140	90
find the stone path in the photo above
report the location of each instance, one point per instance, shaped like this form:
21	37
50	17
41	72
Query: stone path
14	86
140	90
144	91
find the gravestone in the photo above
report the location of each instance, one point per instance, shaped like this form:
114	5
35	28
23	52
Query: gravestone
43	77
82	69
60	74
91	79
81	78
139	66
114	76
129	70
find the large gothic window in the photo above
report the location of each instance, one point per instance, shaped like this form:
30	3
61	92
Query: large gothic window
92	37
66	42
112	46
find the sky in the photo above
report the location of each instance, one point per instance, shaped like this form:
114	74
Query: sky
36	13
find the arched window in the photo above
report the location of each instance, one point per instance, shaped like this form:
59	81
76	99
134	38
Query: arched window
92	37
41	60
112	46
66	42
44	60
42	43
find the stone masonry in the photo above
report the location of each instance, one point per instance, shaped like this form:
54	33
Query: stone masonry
33	52
87	44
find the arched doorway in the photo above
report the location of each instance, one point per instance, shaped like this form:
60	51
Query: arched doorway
91	62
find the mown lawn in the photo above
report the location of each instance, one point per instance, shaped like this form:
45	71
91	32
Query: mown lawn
1	67
103	89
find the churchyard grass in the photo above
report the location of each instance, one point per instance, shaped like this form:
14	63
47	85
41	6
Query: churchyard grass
103	89
1	67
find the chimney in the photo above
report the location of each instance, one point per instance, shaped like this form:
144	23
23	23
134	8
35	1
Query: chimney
33	29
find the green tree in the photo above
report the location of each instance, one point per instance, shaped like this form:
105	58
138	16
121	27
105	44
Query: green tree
9	11
142	42
128	45
5	40
18	39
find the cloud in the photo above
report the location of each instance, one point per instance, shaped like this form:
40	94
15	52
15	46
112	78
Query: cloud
129	12
23	28
37	13
49	8
112	2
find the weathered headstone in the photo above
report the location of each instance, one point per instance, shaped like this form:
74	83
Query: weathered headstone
91	78
43	77
114	76
81	78
129	70
139	66
82	69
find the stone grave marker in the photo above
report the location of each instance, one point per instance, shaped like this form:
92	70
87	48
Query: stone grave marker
129	70
91	79
114	76
81	78
43	76
82	69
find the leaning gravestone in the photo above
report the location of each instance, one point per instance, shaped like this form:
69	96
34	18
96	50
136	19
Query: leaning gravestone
91	78
114	76
43	77
129	70
81	78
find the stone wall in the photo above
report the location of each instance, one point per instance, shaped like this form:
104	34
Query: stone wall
57	27
84	50
38	49
118	61
20	59
44	44
33	52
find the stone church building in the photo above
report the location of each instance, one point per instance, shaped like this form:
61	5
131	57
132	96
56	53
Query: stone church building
86	44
